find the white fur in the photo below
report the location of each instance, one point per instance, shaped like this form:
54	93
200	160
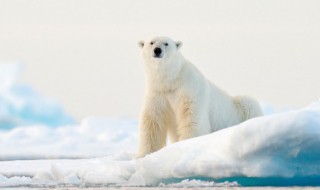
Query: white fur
181	102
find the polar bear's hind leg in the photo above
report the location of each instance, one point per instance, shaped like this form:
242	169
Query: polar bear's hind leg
247	107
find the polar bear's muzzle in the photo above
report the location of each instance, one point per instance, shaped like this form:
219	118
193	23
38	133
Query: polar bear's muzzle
157	52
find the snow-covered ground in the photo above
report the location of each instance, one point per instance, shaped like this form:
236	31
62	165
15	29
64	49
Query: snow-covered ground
278	149
93	137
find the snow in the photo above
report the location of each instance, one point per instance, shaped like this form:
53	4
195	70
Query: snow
91	138
21	105
276	149
14	181
198	183
281	147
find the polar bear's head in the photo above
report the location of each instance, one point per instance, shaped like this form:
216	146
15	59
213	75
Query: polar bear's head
159	49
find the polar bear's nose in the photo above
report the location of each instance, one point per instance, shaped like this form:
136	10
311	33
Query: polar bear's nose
157	51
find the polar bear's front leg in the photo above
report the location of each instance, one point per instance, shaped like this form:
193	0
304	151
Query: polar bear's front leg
186	119
153	127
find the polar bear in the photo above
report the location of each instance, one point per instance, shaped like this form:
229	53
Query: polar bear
180	101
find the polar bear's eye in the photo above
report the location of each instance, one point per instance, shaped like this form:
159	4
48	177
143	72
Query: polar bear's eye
166	44
151	43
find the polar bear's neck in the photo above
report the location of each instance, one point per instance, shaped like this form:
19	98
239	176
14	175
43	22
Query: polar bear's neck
165	76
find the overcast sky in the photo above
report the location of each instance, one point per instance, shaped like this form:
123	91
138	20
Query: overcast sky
85	53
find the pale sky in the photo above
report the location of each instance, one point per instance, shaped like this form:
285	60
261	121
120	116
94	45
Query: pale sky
85	53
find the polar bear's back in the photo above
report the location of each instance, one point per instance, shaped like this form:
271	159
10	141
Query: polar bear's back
216	109
222	110
227	111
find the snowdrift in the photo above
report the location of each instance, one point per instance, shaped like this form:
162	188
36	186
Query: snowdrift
21	105
93	137
285	145
279	149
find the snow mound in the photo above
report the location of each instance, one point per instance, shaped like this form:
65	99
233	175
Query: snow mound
93	137
21	105
281	149
14	181
198	183
283	145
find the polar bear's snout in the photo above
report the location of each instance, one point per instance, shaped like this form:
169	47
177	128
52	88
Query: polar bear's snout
157	52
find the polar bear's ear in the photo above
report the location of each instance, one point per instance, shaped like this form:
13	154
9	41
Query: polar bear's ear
141	44
178	44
